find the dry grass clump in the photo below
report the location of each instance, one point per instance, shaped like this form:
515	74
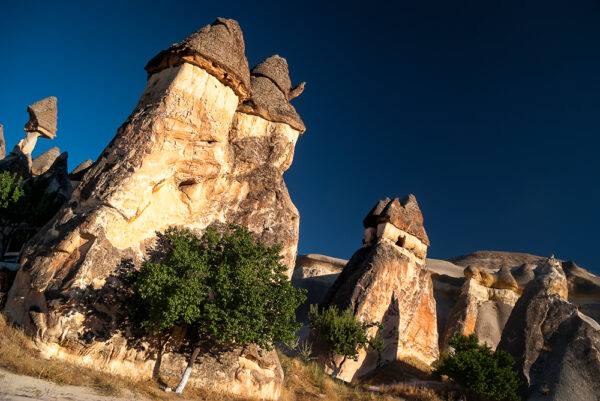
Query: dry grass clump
303	381
419	393
308	382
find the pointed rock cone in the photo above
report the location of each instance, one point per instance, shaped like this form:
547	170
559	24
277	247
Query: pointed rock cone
386	281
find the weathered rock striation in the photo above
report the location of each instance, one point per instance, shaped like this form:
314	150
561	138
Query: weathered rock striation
387	281
189	155
556	347
483	306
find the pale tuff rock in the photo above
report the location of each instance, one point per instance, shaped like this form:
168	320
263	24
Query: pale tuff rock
217	48
502	279
386	282
556	348
316	274
479	310
483	306
43	162
583	289
185	157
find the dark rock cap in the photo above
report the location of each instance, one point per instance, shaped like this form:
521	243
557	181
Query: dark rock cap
276	69
42	117
218	48
404	214
271	87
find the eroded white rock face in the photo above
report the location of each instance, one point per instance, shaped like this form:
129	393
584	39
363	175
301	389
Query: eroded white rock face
185	157
481	310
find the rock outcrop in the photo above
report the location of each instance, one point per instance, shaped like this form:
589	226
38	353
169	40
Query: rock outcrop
189	155
584	289
387	281
315	273
494	260
42	122
43	162
485	302
555	346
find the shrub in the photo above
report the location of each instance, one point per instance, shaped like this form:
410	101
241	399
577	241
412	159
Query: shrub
481	372
224	288
343	333
10	189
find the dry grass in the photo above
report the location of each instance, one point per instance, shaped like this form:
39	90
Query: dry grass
308	382
303	381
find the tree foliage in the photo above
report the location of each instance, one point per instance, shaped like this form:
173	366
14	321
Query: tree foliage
343	333
480	371
10	189
227	288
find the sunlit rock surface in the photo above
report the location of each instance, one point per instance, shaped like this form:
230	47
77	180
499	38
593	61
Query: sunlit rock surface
387	281
187	156
555	346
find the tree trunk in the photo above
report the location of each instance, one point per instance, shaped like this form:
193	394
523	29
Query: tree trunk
188	371
337	368
156	370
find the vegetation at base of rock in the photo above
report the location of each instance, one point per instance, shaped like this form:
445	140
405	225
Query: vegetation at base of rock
343	333
483	373
25	206
10	189
221	288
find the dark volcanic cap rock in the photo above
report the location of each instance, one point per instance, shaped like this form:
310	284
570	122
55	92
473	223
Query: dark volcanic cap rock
276	69
271	85
42	117
404	214
218	48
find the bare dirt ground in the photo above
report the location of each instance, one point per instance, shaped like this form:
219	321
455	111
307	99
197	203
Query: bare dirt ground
24	388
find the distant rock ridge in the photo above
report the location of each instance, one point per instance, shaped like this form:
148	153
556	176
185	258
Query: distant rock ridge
187	156
387	281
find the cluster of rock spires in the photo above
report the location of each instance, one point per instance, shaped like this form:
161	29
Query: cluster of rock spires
207	144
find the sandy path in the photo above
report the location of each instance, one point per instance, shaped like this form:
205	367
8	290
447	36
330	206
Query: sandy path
24	388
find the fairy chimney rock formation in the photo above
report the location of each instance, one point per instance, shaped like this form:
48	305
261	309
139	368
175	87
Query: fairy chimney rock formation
556	347
387	281
189	155
42	122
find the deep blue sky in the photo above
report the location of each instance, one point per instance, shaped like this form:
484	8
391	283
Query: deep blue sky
489	112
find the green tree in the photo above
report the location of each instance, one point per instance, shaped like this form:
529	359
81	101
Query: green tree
225	289
481	372
10	189
343	333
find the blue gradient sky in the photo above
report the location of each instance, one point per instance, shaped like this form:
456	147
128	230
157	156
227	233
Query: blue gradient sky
489	112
